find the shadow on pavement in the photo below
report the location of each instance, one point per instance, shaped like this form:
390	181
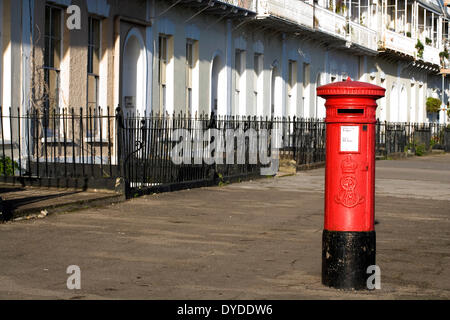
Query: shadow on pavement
7	207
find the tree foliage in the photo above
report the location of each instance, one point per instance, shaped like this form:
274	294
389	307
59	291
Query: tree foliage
433	105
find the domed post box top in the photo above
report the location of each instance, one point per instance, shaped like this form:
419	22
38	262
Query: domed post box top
350	101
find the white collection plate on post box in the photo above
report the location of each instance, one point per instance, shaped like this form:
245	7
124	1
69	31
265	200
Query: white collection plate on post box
349	138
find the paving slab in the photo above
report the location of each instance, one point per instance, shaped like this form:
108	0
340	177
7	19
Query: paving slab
253	240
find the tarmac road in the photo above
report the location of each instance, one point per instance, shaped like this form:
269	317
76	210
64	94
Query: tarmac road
251	240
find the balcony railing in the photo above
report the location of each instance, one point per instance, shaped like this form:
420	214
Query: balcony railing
330	22
363	36
431	54
295	11
407	45
397	42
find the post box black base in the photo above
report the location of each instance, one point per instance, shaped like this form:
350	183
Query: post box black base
345	258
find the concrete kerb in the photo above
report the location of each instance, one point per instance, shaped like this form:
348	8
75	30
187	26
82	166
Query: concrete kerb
102	192
43	211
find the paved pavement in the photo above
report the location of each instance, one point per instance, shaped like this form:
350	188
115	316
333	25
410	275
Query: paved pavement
251	240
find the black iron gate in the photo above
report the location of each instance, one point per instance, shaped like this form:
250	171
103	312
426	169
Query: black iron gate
147	153
395	138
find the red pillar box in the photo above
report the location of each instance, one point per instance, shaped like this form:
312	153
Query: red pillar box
348	242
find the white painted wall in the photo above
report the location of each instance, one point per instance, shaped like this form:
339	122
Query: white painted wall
217	41
1	53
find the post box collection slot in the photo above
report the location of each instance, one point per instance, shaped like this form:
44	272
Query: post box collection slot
350	111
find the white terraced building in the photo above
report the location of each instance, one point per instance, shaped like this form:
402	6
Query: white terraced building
233	57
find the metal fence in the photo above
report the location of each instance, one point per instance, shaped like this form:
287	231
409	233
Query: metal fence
106	144
413	137
159	150
64	143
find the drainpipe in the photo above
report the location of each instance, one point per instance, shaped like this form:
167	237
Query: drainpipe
443	116
228	55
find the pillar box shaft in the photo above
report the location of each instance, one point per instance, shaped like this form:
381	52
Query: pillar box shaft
348	242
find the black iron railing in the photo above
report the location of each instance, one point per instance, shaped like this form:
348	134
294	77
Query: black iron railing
102	143
413	137
54	144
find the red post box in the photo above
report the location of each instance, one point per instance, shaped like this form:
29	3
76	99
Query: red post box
348	241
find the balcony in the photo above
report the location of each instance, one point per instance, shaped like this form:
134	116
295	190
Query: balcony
363	36
399	43
291	11
407	46
330	23
228	8
431	55
346	33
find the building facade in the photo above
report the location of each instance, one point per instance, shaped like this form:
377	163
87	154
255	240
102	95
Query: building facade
231	57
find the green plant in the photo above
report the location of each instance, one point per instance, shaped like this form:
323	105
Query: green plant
434	140
420	48
221	180
340	6
420	149
7	166
433	105
427	41
408	34
444	54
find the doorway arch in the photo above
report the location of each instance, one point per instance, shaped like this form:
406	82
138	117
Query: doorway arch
320	102
134	69
275	91
412	112
382	104
217	91
421	107
403	105
393	104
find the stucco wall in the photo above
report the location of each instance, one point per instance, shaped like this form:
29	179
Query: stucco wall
216	37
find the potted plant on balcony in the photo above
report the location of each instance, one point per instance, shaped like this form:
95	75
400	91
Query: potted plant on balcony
427	41
433	105
419	47
340	6
443	55
408	34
